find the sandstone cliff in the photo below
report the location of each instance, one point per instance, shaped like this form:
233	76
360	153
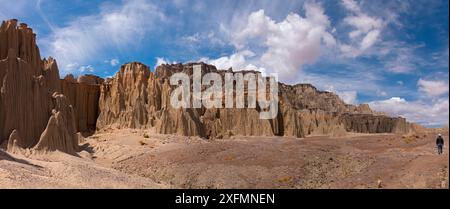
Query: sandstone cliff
32	115
83	93
138	98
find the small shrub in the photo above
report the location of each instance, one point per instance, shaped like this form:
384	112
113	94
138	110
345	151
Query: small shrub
228	158
285	179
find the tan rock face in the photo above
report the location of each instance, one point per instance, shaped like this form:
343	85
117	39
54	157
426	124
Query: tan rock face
306	96
365	123
83	94
26	92
60	132
137	98
124	99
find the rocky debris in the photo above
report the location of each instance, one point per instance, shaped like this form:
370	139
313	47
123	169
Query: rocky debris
83	94
27	95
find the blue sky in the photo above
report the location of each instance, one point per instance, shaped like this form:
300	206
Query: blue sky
391	54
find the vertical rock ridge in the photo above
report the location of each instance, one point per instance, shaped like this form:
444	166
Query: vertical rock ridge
28	87
303	109
83	93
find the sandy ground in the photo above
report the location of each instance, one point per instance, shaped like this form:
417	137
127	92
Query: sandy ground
139	159
60	170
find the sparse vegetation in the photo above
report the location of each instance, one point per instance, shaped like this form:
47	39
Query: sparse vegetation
142	142
285	179
146	136
410	138
228	158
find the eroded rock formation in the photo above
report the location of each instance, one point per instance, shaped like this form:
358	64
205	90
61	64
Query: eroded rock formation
41	112
83	94
138	98
32	115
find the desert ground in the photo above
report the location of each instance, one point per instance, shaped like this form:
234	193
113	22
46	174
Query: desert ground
140	159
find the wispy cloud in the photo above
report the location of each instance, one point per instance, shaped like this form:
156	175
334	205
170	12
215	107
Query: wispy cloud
433	88
117	27
114	62
16	9
430	114
365	32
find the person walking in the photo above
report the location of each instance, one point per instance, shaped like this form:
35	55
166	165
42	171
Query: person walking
440	143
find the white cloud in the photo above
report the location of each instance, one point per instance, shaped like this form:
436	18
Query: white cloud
160	61
200	39
120	27
349	97
70	67
17	9
257	24
237	61
435	113
287	45
397	66
77	68
381	93
433	87
114	62
351	5
369	39
398	57
366	30
84	69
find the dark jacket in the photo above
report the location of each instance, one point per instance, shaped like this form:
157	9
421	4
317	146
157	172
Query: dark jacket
439	140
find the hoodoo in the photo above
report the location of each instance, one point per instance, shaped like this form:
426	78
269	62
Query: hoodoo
33	112
138	98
